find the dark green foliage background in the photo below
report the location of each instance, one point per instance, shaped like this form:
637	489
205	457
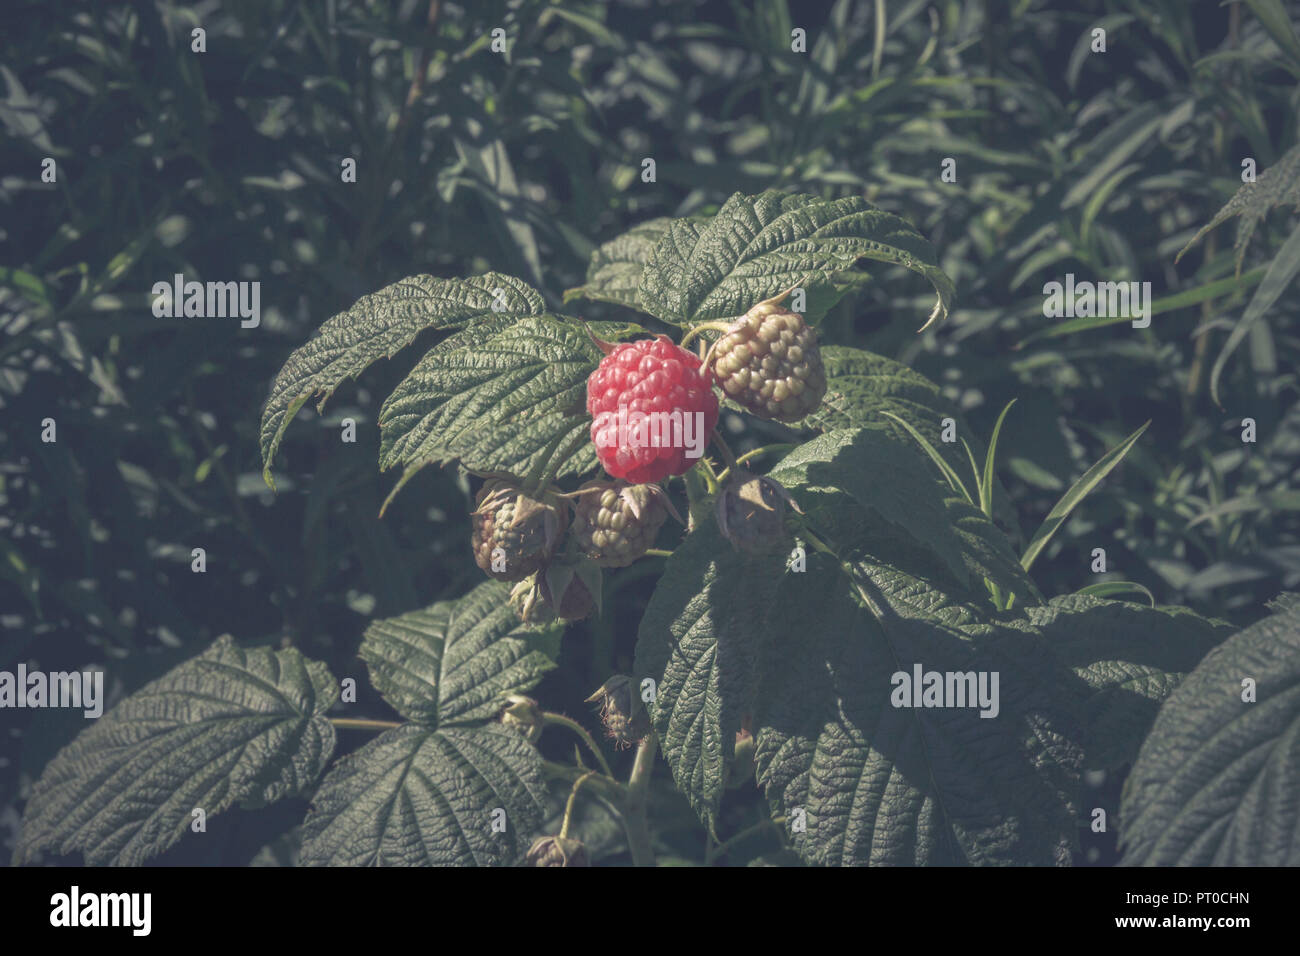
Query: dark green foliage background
225	165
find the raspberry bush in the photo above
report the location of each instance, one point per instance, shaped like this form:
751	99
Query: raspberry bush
817	579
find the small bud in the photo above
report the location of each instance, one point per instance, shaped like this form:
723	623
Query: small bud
622	711
741	769
751	513
577	581
524	715
557	851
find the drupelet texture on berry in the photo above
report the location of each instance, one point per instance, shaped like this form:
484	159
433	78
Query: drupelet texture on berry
513	533
615	523
653	410
769	362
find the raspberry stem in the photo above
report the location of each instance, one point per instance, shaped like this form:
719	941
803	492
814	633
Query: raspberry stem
573	799
634	807
696	330
727	456
755	452
357	723
605	347
701	485
559	720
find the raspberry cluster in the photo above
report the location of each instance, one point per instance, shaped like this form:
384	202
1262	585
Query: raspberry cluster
653	410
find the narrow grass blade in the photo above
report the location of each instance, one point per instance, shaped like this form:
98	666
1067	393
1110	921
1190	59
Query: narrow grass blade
1078	491
953	481
986	486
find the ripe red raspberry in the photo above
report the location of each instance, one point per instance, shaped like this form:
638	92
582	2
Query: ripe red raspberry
653	410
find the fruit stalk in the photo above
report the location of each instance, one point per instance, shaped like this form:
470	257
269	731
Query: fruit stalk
634	805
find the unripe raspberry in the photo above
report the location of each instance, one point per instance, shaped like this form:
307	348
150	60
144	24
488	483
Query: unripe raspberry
769	362
653	409
514	534
751	512
557	851
615	523
533	599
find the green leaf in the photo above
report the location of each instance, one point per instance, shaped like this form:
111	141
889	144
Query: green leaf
379	326
1215	783
486	158
987	552
727	640
758	246
513	403
614	271
861	385
229	727
1273	15
420	797
875	471
881	474
1171	303
1281	273
1129	657
1279	185
888	785
866	389
1078	491
453	661
986	483
1270	501
949	473
702	639
1108	589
